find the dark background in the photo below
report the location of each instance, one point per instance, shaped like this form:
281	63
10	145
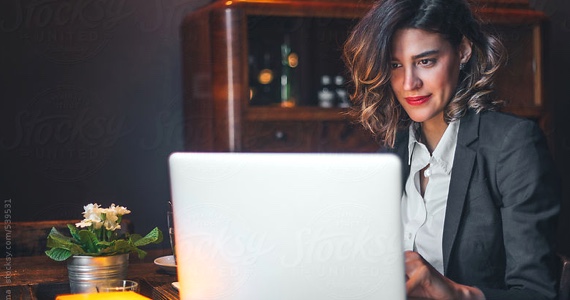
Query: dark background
91	105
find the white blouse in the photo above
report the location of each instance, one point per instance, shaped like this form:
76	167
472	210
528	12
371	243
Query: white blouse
423	217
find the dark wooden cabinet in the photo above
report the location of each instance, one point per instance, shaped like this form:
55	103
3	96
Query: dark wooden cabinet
223	46
279	136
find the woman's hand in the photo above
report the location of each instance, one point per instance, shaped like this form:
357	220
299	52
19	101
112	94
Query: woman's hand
424	281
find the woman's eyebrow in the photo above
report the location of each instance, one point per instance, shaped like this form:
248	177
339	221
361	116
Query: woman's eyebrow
424	54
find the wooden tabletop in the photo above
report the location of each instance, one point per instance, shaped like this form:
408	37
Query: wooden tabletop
39	277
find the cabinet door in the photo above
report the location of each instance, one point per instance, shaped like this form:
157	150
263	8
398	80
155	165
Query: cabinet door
285	136
288	56
343	136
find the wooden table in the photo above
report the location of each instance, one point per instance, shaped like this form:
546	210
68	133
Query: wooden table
39	277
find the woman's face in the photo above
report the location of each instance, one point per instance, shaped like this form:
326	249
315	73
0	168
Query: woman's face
425	71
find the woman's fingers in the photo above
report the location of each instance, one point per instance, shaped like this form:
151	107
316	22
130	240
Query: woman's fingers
424	281
411	284
416	271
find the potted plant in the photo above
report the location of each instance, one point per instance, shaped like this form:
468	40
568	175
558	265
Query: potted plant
97	251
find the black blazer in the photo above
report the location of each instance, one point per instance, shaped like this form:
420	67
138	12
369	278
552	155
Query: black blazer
502	207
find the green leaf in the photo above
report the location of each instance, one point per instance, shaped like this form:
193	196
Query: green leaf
119	246
154	236
140	253
57	240
134	237
104	244
77	250
58	254
88	241
73	231
55	233
109	235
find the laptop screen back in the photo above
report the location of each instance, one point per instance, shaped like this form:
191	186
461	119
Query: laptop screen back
287	226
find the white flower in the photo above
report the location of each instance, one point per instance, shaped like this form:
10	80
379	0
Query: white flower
97	225
92	212
97	217
111	226
111	219
84	223
111	216
119	210
92	215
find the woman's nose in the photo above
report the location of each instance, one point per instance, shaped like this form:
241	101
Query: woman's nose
411	80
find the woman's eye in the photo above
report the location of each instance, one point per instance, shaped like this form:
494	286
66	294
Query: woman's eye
395	65
426	62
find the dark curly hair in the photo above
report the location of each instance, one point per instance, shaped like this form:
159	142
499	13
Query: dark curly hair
367	54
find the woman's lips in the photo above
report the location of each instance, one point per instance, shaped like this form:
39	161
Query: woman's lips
418	100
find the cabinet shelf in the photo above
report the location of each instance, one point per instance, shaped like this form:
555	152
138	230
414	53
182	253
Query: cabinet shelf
296	114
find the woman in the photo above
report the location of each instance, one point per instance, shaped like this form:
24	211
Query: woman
480	196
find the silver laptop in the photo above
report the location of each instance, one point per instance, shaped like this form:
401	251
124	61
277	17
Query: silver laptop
260	226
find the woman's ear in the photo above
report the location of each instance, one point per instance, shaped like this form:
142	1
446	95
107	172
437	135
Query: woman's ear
465	49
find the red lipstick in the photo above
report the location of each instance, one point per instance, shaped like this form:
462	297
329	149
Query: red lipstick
418	100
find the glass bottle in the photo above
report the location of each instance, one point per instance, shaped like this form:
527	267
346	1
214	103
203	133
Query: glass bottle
341	93
326	94
289	61
262	82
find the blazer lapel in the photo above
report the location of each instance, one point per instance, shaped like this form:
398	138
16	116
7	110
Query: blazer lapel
460	176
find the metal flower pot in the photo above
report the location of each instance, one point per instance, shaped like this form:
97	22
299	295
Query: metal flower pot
88	272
